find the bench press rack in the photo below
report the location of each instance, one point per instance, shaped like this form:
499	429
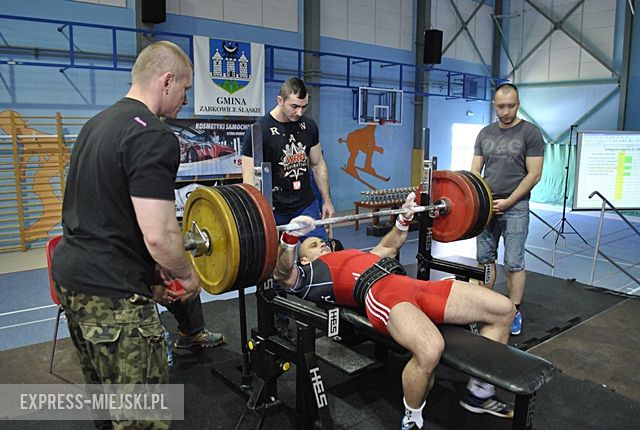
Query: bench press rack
266	355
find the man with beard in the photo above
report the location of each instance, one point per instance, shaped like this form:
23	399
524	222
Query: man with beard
511	152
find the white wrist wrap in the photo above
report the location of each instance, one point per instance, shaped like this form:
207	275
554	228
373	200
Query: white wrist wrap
402	223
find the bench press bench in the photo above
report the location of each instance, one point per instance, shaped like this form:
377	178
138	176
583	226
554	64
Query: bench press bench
508	368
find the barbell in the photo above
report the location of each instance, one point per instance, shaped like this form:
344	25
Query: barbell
440	208
232	238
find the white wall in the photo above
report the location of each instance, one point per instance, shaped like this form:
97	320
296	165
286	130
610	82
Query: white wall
559	58
276	14
444	17
377	22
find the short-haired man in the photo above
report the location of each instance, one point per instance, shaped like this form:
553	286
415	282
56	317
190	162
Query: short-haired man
511	153
291	144
119	226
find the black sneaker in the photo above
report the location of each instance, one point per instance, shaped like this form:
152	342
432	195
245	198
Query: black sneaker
204	339
490	405
409	426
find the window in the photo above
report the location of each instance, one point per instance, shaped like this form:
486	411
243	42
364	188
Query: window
463	137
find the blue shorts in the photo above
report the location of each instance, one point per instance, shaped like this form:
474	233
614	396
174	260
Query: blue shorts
312	210
513	226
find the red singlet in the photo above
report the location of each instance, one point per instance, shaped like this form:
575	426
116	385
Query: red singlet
347	266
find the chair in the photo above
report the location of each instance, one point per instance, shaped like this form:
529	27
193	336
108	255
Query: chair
51	246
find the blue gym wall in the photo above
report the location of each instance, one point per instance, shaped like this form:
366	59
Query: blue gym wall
444	112
36	91
44	90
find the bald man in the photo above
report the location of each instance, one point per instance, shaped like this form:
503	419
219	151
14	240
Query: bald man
511	153
404	308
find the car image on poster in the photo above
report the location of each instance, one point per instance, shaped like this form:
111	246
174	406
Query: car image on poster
209	147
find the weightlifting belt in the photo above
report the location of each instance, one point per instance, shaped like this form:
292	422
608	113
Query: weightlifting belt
385	266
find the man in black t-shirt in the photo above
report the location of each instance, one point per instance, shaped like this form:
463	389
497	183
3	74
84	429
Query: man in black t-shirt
290	143
121	240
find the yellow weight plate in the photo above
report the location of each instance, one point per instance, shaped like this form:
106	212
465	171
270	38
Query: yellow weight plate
218	268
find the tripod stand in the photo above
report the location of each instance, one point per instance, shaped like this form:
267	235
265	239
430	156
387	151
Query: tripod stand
564	219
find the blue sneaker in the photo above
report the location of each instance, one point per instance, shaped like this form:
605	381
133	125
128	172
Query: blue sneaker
516	325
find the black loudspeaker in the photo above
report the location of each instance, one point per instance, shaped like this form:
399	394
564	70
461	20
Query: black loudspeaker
432	47
153	11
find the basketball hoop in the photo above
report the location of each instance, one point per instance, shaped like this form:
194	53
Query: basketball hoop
379	106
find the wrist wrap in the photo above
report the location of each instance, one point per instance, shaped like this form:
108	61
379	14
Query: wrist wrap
402	223
288	240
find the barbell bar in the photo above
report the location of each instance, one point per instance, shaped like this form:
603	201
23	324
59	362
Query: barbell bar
197	242
439	208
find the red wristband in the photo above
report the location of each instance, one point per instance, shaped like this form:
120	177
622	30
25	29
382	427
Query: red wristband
289	239
404	220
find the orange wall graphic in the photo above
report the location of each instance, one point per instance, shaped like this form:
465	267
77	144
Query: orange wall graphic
363	140
49	155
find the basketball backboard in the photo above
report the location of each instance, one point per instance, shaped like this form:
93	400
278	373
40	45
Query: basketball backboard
379	106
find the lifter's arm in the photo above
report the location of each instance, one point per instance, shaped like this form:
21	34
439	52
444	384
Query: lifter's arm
285	272
393	241
390	243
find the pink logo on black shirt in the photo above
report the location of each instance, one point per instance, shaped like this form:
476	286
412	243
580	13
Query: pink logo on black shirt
139	121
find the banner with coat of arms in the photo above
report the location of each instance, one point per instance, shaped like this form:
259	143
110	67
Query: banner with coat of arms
228	77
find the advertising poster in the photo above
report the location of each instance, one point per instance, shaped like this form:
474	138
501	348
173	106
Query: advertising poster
209	147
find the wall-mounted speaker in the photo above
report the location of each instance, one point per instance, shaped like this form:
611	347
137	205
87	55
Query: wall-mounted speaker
153	11
432	47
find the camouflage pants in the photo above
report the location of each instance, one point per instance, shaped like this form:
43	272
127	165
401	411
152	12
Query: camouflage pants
119	341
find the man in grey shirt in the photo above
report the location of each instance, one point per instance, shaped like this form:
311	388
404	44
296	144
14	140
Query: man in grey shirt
511	152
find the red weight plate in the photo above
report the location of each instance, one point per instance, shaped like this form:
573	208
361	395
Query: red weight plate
462	198
270	231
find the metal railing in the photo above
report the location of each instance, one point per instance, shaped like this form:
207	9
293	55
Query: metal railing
337	70
597	250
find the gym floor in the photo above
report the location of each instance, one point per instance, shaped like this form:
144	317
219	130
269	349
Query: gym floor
589	333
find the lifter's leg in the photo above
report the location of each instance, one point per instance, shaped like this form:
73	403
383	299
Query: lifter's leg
412	329
468	303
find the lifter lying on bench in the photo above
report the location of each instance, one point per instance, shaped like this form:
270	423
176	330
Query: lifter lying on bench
399	306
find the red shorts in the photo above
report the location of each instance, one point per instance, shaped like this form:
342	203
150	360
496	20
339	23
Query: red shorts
430	296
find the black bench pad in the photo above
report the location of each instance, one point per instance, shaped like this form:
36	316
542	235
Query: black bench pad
506	367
